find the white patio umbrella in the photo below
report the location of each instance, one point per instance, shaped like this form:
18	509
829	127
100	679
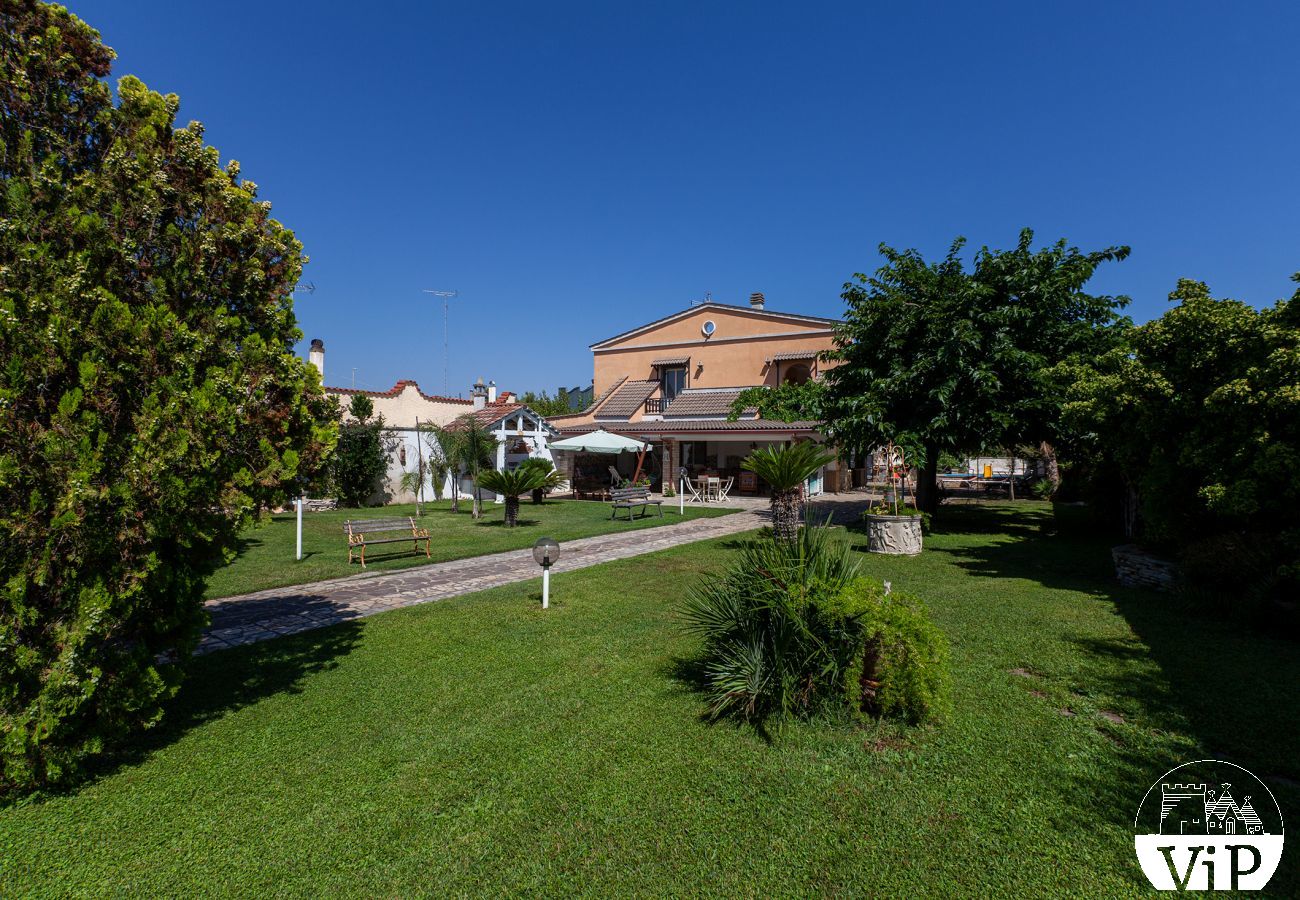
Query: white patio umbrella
602	441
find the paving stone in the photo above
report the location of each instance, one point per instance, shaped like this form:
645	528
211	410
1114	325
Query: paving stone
290	610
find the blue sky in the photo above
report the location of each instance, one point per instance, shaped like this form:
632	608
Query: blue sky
576	169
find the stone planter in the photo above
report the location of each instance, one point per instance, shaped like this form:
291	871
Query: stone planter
896	535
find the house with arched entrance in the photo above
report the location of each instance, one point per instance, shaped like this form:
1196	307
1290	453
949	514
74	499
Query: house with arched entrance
672	382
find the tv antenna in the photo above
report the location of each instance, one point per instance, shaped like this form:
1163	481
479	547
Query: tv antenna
446	296
708	298
308	286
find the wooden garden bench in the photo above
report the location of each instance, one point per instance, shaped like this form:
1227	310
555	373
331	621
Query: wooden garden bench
363	532
632	497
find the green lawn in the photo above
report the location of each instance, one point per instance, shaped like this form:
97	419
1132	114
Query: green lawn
266	557
481	746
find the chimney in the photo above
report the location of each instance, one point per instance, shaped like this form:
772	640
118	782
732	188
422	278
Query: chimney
492	392
478	393
316	356
756	300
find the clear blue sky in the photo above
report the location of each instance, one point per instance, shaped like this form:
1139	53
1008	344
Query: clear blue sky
577	169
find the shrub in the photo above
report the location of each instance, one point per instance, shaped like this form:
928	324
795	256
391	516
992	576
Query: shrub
902	669
790	630
550	479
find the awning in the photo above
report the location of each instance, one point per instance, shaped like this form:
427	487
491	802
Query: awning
600	441
793	354
671	361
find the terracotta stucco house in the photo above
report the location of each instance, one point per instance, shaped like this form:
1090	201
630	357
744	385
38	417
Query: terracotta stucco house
673	381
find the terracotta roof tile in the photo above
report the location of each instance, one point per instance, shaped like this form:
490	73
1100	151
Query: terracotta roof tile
696	425
394	391
701	403
628	399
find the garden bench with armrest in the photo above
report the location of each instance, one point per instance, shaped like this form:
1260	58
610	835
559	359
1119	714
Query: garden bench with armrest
632	497
361	533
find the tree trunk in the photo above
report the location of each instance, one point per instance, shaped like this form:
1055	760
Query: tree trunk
785	514
476	509
512	512
927	481
869	682
1130	510
537	496
455	492
1051	465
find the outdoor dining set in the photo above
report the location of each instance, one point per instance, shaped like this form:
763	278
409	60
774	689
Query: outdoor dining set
707	488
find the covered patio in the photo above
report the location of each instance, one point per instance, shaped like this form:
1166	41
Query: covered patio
691	449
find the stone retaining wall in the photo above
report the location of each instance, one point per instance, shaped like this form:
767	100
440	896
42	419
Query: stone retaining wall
1135	567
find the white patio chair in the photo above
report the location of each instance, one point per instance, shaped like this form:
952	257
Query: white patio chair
615	479
713	488
725	489
688	488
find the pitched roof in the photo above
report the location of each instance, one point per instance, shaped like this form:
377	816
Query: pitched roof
671	361
793	354
493	413
395	390
766	313
595	404
702	403
627	399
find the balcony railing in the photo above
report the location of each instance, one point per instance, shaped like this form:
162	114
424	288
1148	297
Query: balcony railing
654	406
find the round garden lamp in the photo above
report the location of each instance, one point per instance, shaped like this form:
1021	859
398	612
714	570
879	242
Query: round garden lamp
546	551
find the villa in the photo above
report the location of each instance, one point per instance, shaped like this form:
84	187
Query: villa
672	383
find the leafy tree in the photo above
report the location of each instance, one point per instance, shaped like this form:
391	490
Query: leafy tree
938	359
785	469
1200	413
511	484
360	461
551	479
545	405
150	402
785	403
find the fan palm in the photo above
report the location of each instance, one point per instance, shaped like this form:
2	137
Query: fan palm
511	484
553	479
785	469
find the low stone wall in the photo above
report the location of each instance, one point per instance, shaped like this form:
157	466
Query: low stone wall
1135	567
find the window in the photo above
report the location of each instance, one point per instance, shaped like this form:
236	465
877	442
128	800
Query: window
674	382
797	374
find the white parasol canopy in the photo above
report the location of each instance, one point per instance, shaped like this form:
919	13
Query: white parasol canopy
600	441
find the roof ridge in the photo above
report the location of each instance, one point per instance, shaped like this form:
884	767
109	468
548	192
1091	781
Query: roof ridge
713	304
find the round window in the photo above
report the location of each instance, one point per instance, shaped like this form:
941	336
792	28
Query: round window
709	328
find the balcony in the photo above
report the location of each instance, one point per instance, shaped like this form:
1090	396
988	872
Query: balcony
654	406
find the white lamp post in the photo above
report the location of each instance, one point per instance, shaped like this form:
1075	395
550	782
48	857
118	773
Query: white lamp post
546	551
298	554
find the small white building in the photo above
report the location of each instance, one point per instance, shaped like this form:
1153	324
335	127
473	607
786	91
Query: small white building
407	409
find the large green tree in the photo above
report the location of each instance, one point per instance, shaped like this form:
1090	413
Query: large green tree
150	401
938	359
1200	414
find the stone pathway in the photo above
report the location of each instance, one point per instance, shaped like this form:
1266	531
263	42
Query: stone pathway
263	615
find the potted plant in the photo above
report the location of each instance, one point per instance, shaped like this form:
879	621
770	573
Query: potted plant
893	527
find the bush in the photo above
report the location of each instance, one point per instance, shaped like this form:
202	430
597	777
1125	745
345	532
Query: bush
902	670
789	630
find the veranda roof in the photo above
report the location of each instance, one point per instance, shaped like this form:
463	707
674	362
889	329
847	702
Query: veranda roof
600	441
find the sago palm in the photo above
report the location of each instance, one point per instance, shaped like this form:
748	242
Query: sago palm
785	469
551	481
512	484
470	448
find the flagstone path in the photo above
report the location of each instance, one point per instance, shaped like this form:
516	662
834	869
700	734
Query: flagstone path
263	615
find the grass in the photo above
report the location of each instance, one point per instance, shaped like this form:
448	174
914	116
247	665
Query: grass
480	746
266	553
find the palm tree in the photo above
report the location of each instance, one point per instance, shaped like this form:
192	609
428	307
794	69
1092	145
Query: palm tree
469	448
552	480
785	469
511	484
